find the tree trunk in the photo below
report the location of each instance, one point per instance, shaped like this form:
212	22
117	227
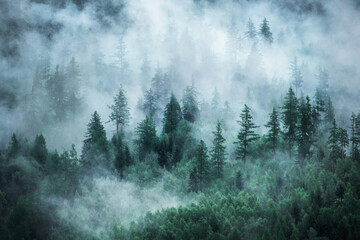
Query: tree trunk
244	155
290	149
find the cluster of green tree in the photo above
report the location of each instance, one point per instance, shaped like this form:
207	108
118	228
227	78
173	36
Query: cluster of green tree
264	33
55	96
314	197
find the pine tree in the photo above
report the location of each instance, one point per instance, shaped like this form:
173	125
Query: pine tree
329	111
150	106
172	115
218	150
343	141
55	87
354	138
321	91
73	84
39	150
296	76
190	105
120	161
246	134
306	127
251	31
95	142
202	164
290	118
120	111
147	138
274	131
14	148
333	143
265	32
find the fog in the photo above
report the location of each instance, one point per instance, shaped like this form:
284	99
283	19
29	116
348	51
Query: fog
125	43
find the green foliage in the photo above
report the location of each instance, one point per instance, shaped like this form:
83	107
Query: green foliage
265	32
290	118
95	143
172	115
120	113
218	150
190	107
273	134
246	134
147	139
14	147
39	150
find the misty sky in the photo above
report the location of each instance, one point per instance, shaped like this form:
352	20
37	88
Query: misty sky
186	39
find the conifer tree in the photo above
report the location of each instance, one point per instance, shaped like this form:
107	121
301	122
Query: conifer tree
147	138
150	106
306	128
14	147
218	150
265	32
333	143
343	141
329	112
246	134
73	84
172	115
202	164
290	118
251	31
120	111
95	142
39	150
296	76
274	131
354	138
190	105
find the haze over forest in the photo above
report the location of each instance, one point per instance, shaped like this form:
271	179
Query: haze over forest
112	109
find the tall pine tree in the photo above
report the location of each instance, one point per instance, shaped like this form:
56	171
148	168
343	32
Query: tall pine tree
246	134
290	118
273	134
218	150
120	111
172	115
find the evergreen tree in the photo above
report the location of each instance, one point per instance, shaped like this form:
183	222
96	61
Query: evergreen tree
265	32
147	138
296	76
150	106
306	127
39	150
218	150
190	105
120	111
354	137
202	164
333	143
343	141
160	88
56	91
251	31
120	161
95	142
73	84
321	91
290	118
246	134
274	131
172	115
329	112
14	147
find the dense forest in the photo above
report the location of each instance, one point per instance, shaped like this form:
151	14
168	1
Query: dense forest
117	128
